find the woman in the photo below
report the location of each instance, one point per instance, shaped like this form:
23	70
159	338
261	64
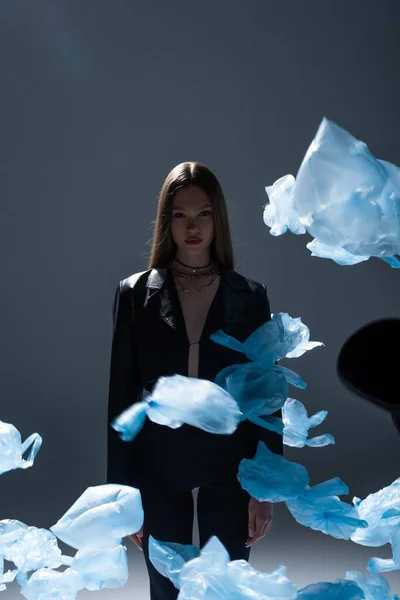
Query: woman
163	318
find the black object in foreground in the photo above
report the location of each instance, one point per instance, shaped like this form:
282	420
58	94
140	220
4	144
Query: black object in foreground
369	365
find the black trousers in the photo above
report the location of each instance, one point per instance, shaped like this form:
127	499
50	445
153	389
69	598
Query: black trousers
222	510
173	462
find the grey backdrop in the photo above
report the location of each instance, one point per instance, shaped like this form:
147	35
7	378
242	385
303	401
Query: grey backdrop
99	100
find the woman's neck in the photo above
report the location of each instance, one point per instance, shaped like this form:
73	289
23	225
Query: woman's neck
196	261
192	264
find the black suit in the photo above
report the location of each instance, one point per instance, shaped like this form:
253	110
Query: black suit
150	340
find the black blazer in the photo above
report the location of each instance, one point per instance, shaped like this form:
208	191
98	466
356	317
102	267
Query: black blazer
149	340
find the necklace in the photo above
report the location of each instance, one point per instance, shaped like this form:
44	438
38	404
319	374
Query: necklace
194	269
213	272
199	288
195	277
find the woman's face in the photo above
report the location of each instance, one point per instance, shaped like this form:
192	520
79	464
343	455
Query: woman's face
192	218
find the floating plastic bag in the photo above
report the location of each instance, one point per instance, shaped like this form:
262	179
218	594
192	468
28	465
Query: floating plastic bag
100	569
211	575
12	448
319	508
36	548
297	425
381	510
374	588
29	548
270	477
6	577
341	589
257	390
101	517
176	400
260	387
281	337
343	196
169	558
47	583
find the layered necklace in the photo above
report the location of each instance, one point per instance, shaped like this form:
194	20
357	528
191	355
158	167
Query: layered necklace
213	272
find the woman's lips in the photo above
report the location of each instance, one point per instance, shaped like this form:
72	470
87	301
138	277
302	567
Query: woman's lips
193	242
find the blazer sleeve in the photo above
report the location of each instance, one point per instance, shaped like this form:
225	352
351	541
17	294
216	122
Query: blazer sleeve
271	439
124	385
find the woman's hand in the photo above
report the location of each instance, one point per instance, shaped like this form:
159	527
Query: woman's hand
137	538
260	519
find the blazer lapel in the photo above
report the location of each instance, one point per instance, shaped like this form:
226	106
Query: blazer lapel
234	297
157	284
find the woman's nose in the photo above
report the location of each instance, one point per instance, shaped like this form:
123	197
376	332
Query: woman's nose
192	225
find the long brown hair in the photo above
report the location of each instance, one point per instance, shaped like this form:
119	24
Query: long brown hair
187	174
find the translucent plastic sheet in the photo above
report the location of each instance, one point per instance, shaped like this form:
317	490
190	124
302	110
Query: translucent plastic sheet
176	400
344	197
211	575
12	448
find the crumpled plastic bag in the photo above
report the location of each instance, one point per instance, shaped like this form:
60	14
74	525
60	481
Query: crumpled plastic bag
101	568
261	387
29	548
101	517
176	400
47	583
212	576
270	477
6	577
341	589
282	336
296	426
374	588
343	196
258	390
381	510
319	508
12	448
169	558
380	565
36	548
33	549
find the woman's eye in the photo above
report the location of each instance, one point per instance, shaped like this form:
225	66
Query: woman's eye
205	213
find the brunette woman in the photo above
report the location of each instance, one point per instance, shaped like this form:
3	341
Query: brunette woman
162	321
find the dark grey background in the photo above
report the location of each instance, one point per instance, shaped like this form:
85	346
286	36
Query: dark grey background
99	100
